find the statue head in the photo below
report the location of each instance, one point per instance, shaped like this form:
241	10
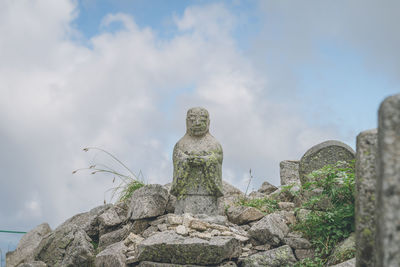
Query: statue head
197	121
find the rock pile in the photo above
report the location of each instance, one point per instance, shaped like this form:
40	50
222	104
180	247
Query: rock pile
150	235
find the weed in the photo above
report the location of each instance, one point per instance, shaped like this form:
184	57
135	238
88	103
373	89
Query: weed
325	229
128	183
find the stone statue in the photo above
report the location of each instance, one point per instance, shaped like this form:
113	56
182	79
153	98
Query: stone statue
197	161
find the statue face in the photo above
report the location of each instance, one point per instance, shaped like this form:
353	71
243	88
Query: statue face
197	121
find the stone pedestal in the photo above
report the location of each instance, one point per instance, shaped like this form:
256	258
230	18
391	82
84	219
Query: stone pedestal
388	184
365	197
197	204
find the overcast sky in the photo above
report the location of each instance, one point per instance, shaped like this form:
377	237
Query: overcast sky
276	76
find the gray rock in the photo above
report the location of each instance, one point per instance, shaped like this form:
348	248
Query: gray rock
267	188
302	215
289	172
27	245
344	250
388	184
88	221
349	263
197	161
197	204
257	195
68	245
271	229
139	226
150	231
243	215
114	237
169	247
32	264
148	201
282	256
113	255
367	144
328	152
109	220
297	242
302	254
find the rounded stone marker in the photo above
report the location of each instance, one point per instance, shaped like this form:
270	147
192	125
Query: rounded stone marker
325	153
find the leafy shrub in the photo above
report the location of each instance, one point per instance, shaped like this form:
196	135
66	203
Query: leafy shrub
128	182
325	229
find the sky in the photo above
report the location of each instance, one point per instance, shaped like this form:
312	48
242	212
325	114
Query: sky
277	77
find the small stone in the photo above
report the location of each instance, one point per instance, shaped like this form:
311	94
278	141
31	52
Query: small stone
349	263
162	227
180	229
187	219
206	236
227	233
199	225
132	259
174	219
302	254
241	238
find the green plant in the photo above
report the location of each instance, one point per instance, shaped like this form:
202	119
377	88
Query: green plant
265	205
128	182
325	229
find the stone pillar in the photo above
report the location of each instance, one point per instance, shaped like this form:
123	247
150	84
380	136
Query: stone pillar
388	184
365	197
289	171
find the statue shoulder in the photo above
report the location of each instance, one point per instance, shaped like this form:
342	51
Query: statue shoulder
214	142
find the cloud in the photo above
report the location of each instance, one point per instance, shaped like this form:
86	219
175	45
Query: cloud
127	90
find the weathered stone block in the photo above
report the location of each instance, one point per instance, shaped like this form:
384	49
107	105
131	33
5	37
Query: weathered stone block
289	172
169	247
388	184
281	256
148	201
326	153
367	144
271	229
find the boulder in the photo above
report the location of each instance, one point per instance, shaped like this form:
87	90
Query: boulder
68	245
148	201
297	242
326	153
243	215
231	196
109	220
271	229
281	256
169	247
267	188
113	255
27	245
343	251
88	221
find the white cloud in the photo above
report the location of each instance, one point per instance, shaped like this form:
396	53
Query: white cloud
59	96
